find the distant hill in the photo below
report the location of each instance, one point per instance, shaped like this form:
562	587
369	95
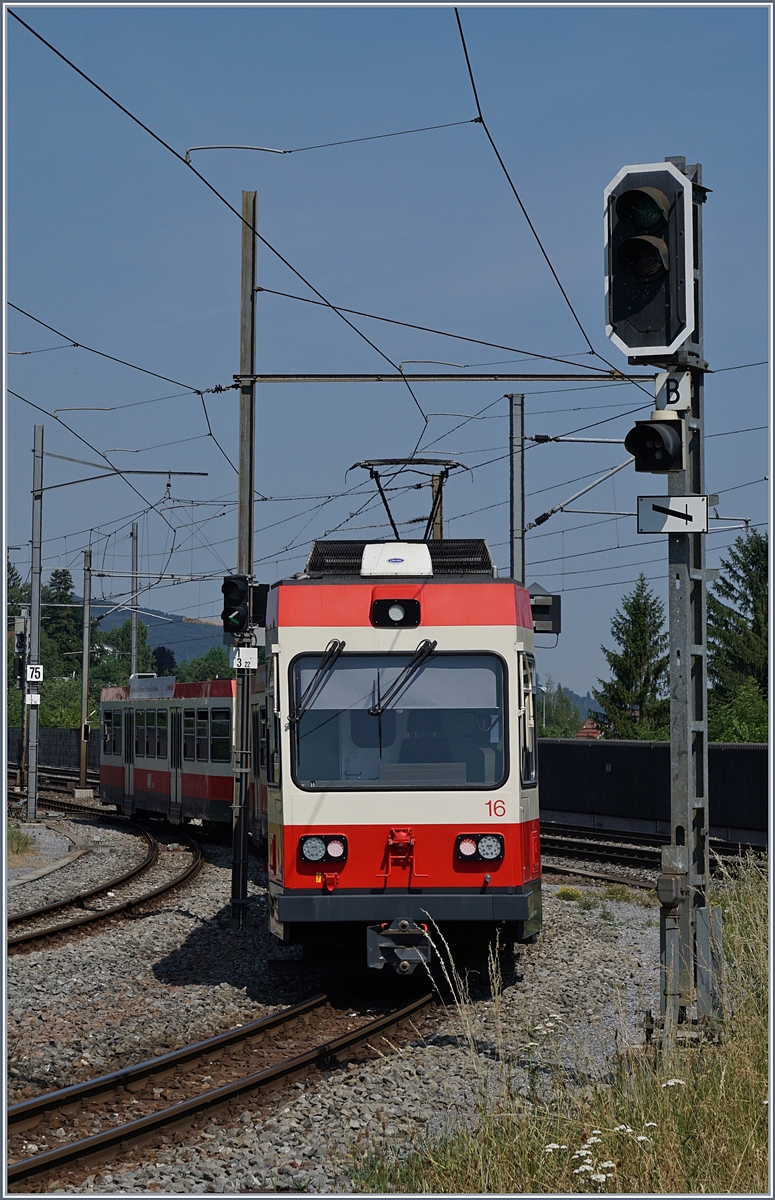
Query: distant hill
583	703
186	639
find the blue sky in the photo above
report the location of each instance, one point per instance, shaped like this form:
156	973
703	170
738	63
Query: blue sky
115	243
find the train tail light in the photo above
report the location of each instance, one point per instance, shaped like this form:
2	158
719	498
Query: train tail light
319	848
480	847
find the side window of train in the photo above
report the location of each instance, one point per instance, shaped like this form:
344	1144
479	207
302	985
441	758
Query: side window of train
117	731
263	737
202	726
527	724
150	733
188	734
220	735
107	732
139	733
161	733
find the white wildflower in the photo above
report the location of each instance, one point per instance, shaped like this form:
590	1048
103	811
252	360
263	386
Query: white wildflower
591	1141
673	1082
650	1125
607	1164
583	1167
599	1178
642	1138
582	1154
597	1131
551	1147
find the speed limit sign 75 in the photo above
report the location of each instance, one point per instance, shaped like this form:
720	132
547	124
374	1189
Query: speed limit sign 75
34	673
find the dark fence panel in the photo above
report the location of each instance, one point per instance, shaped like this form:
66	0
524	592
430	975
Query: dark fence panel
58	748
632	780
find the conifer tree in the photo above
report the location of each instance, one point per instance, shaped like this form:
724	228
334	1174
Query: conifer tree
634	701
737	618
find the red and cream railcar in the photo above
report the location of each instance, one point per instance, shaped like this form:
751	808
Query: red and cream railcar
168	749
395	727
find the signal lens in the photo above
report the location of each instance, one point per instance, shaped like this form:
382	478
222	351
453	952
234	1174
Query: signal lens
490	847
645	208
396	612
313	849
467	847
335	848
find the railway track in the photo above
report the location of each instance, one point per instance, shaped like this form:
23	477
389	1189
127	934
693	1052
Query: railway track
589	834
132	1105
34	917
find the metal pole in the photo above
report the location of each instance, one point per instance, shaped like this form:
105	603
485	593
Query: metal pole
245	488
517	448
85	666
437	482
690	931
33	689
23	749
135	588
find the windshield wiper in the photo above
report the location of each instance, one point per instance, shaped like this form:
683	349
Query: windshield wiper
423	651
330	655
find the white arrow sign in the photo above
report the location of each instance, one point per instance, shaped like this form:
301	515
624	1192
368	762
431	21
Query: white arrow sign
672	514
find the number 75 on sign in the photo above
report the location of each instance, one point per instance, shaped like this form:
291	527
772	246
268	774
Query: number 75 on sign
34	673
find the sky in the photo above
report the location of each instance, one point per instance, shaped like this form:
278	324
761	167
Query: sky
115	244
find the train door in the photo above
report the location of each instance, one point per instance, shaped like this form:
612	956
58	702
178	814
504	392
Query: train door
176	763
129	759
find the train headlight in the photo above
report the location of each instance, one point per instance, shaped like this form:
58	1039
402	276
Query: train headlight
467	847
490	847
396	612
313	849
323	848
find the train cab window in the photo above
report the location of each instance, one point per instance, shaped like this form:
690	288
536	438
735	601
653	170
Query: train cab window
528	746
188	734
107	732
150	733
161	733
140	733
202	725
220	735
373	721
117	731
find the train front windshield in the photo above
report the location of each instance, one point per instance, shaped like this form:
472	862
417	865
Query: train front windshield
443	727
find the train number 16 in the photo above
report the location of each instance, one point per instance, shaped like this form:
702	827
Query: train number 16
496	808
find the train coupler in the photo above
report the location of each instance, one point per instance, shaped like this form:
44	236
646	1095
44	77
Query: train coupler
402	944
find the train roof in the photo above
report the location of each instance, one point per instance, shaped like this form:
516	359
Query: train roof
447	556
166	688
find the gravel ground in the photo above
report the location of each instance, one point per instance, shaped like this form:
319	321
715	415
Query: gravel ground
112	850
177	974
49	846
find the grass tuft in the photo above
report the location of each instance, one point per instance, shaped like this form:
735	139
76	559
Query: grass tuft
18	841
694	1121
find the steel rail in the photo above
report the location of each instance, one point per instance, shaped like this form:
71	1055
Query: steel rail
141	1128
103	913
79	897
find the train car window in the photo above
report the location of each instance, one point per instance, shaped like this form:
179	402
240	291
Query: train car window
202	723
140	733
220	735
150	733
528	747
188	734
107	732
263	737
446	727
117	731
161	733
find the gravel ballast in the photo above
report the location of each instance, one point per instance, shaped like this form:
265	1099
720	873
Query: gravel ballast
176	974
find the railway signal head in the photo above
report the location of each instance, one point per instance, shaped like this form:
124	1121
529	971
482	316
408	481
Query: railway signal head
236	604
649	260
657	446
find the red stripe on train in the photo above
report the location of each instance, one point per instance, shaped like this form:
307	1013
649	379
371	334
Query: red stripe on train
440	603
433	862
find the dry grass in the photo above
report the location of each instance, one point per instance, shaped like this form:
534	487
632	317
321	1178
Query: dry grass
694	1122
19	842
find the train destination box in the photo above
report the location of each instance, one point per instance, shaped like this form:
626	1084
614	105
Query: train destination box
151	687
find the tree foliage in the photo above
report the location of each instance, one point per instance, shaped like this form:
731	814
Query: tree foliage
738	716
634	702
164	661
562	716
212	665
737	618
